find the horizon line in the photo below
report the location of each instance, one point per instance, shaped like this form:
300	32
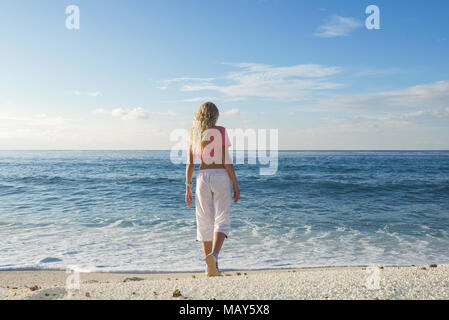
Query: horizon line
280	150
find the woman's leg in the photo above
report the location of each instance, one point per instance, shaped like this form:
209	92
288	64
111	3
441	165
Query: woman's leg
207	247
219	238
204	208
211	258
221	187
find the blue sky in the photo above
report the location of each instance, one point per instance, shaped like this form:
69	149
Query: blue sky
136	70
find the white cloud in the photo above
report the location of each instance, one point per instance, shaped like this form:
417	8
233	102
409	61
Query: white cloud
378	72
361	138
131	114
40	120
338	26
441	113
233	99
187	79
208	98
407	130
433	95
300	70
198	99
381	121
167	113
54	131
99	111
286	83
90	94
232	112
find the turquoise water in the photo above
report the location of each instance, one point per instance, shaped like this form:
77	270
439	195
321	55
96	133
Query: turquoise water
125	211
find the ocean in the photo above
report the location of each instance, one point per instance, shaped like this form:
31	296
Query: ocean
124	211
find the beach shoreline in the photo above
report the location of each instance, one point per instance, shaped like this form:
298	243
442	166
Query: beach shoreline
393	282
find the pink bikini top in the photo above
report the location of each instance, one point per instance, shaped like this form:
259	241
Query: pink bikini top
208	149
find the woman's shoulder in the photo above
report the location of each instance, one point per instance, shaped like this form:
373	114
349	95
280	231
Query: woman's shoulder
220	128
224	135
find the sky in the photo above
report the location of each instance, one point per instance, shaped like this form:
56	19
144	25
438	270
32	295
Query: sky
136	70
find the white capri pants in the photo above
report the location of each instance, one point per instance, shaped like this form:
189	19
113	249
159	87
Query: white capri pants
213	197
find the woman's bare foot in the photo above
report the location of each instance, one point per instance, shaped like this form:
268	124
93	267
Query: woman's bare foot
212	266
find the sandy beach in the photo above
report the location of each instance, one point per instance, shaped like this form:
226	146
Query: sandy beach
414	282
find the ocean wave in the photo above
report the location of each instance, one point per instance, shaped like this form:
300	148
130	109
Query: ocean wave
118	211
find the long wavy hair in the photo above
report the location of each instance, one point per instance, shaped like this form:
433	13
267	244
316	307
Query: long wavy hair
205	118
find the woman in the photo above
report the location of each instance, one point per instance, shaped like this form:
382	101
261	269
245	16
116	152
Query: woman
214	183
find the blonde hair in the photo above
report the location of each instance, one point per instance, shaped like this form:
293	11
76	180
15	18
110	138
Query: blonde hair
205	118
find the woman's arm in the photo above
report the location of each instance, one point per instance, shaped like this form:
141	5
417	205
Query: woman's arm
229	166
190	169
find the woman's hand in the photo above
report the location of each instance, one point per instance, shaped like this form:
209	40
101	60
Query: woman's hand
236	193
189	195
